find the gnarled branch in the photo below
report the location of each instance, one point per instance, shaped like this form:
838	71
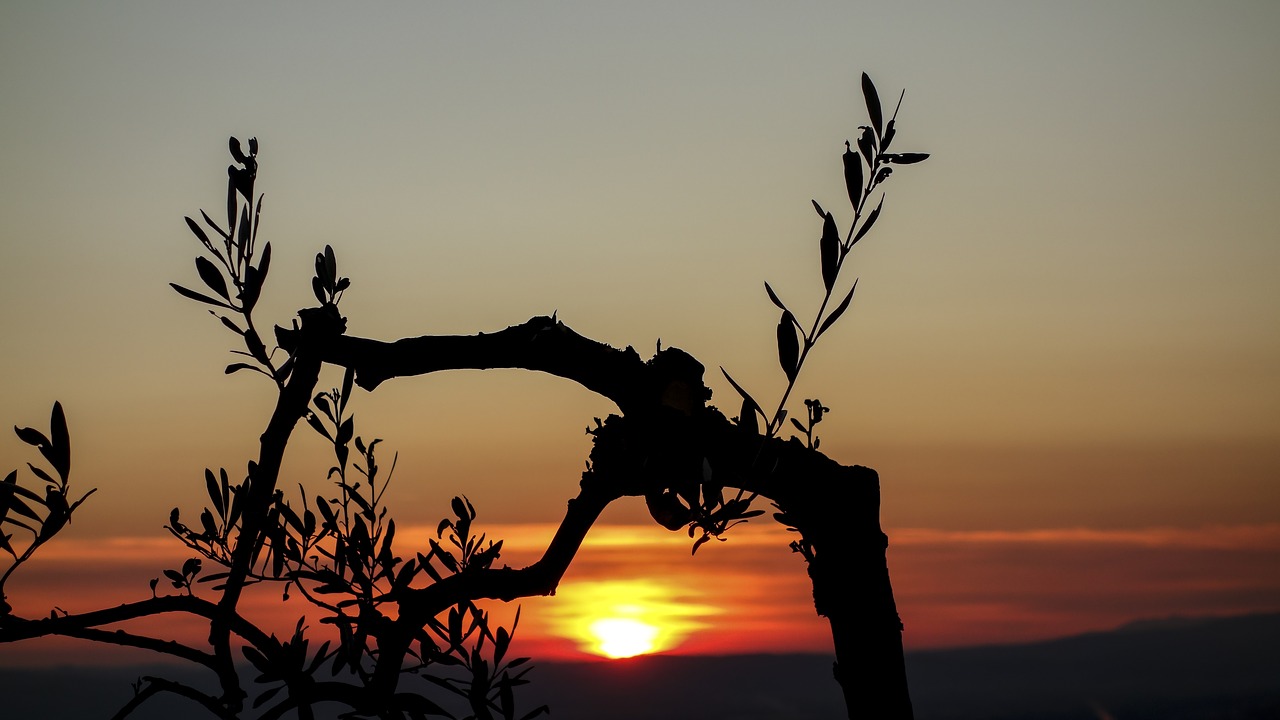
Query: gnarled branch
666	436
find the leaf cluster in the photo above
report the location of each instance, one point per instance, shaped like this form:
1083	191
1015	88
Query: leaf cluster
816	411
341	558
232	281
337	550
42	516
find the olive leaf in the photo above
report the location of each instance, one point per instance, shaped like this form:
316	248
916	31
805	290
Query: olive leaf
873	104
199	297
829	245
788	345
835	314
774	296
871	220
211	277
853	175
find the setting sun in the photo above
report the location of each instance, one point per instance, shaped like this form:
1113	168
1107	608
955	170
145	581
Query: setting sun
623	637
619	619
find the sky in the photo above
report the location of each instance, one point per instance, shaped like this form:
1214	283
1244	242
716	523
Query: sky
1062	358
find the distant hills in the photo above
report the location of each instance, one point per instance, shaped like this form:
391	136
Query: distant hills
1175	669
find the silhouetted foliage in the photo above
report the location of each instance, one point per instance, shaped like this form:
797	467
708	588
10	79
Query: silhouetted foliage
395	617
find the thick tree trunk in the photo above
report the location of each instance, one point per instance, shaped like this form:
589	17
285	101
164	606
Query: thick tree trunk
851	588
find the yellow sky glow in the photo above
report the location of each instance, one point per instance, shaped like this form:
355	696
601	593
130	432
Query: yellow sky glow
620	618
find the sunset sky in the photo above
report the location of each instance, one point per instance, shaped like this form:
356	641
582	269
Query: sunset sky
1063	358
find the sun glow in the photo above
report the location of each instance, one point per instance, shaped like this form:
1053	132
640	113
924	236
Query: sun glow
624	619
623	637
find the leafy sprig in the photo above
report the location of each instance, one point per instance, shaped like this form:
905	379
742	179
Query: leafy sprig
865	170
232	281
21	507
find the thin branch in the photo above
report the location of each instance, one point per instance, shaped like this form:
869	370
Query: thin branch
155	686
126	639
291	405
14	628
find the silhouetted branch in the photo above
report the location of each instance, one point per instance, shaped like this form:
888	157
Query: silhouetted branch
771	467
126	639
542	344
14	628
660	451
154	686
291	406
417	606
538	578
